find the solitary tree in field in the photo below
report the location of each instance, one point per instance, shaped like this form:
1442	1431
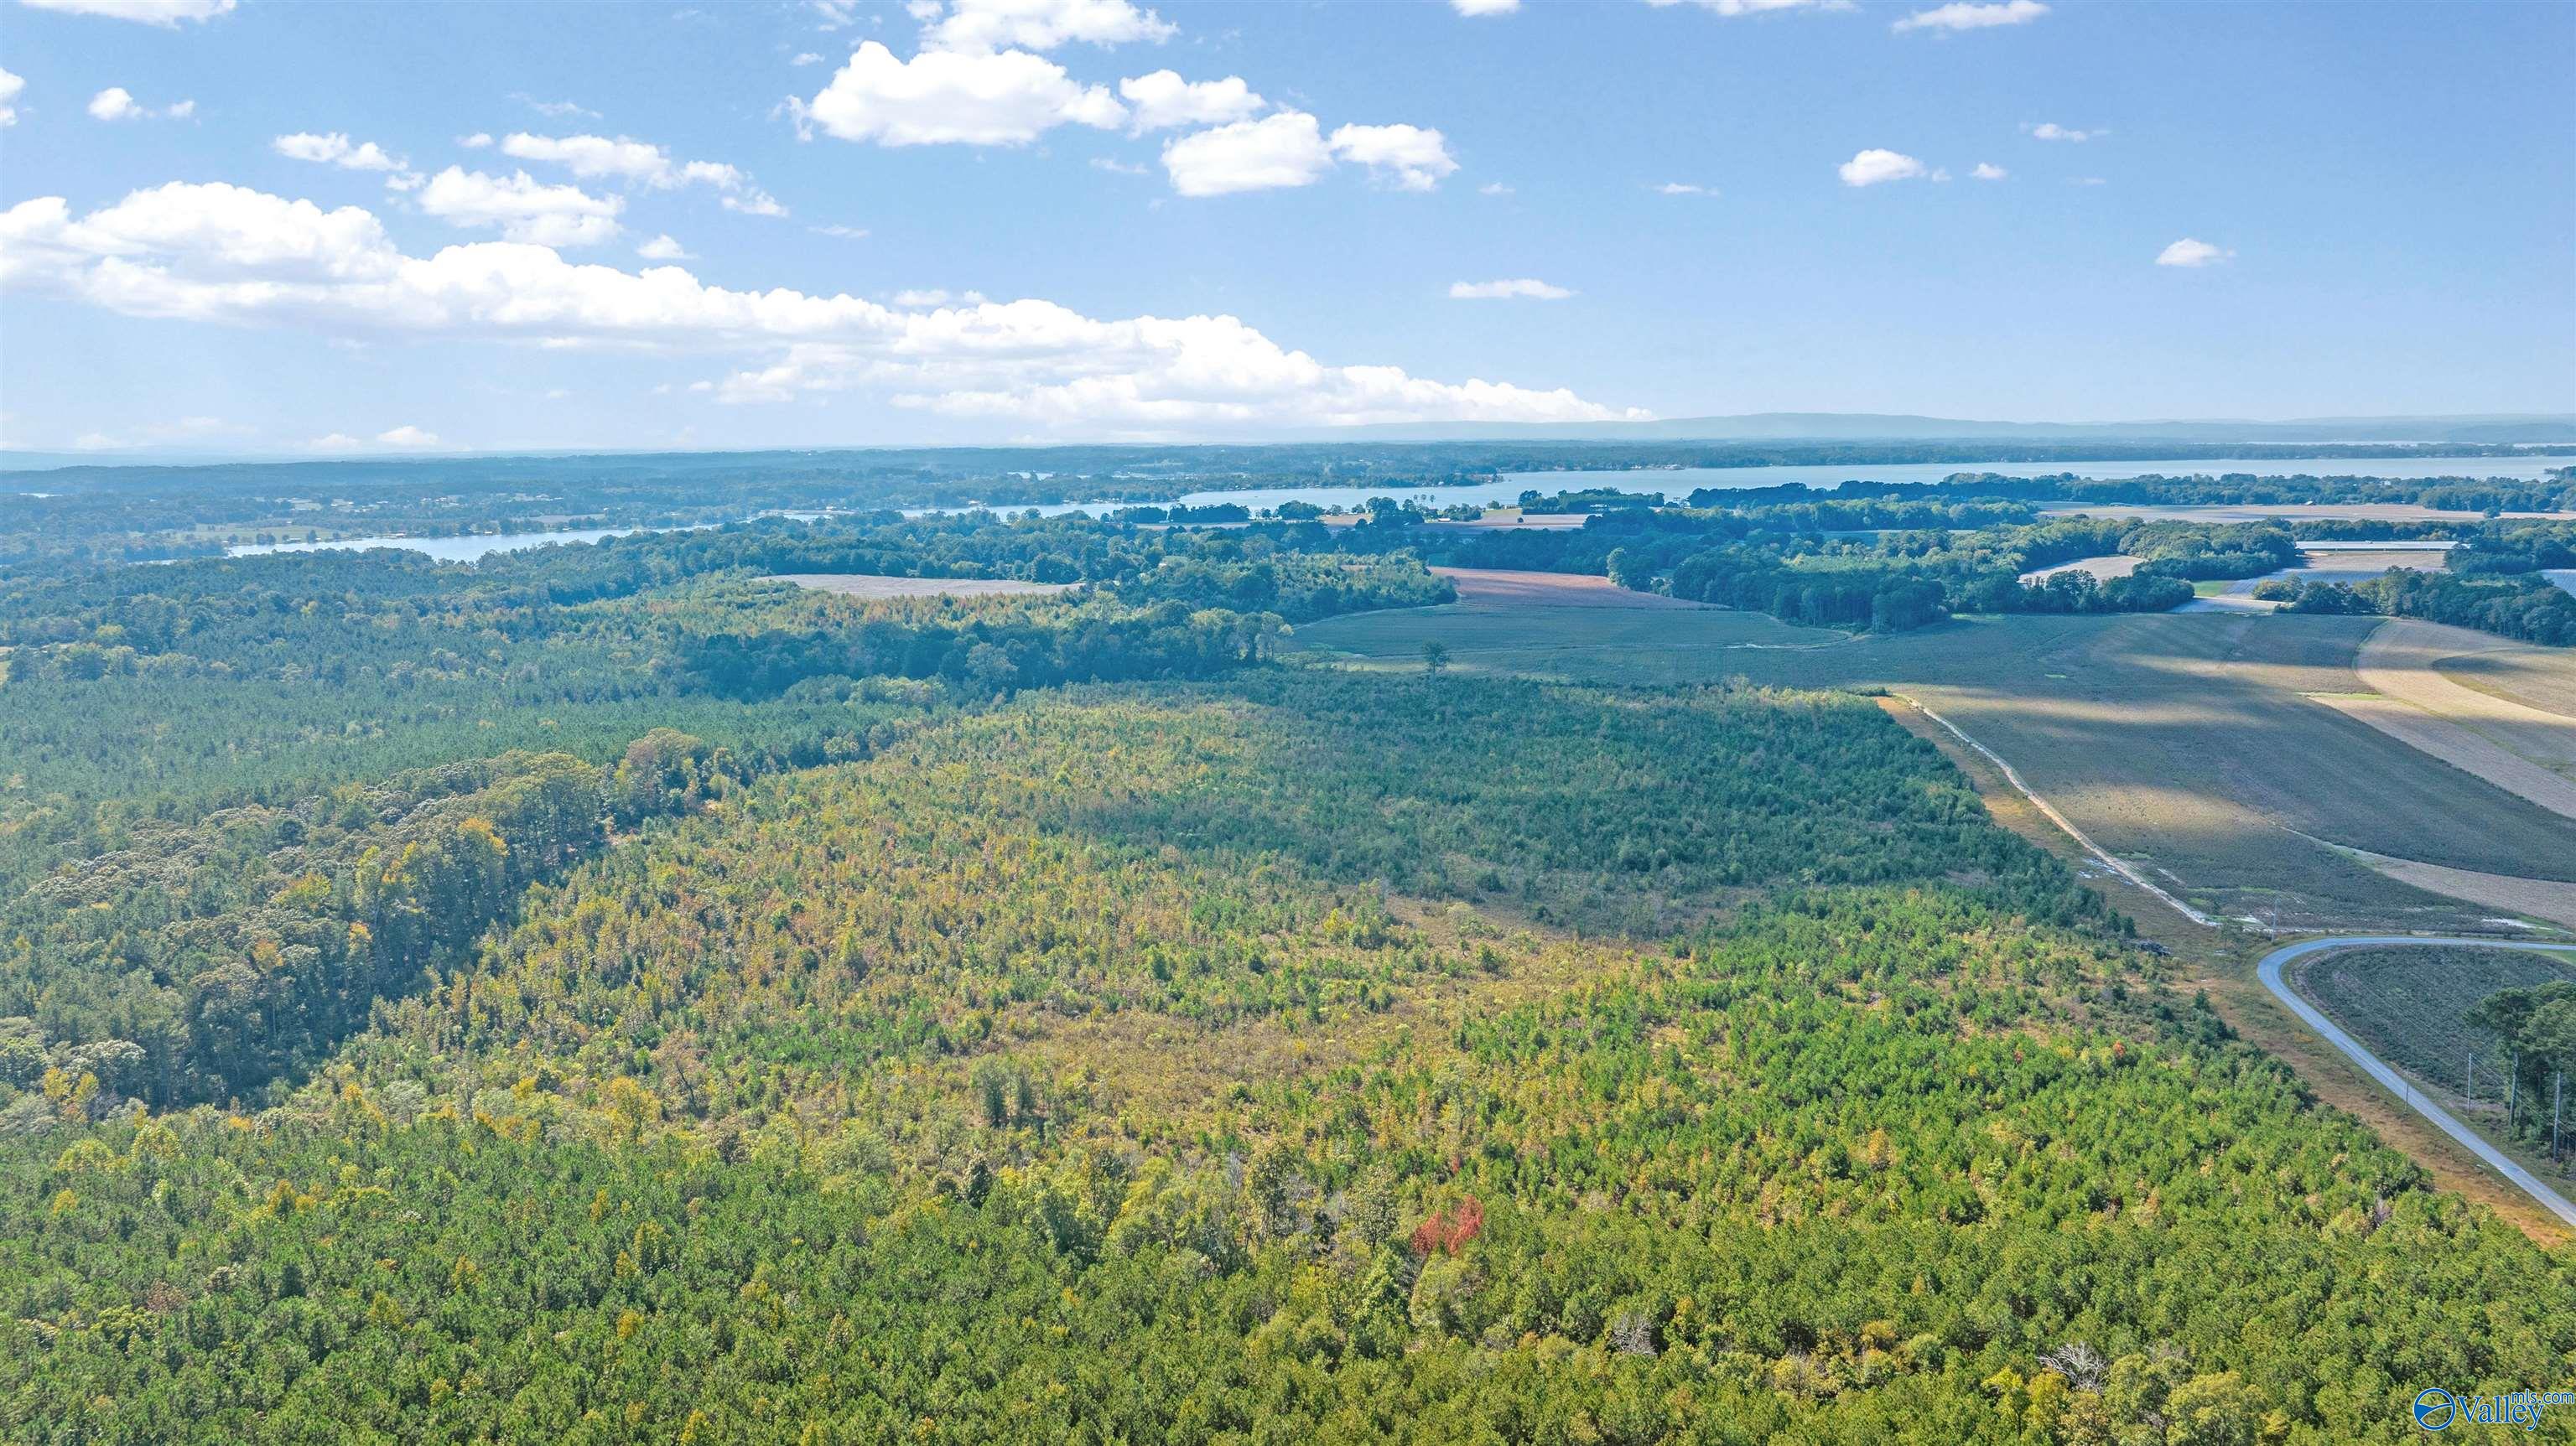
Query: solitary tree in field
1435	657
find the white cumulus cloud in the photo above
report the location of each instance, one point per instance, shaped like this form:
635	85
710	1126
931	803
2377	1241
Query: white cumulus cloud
2190	252
1872	166
1286	149
222	254
1162	100
150	12
10	85
663	248
1412	157
116	103
1985	172
2052	131
335	149
640	163
993	98
982	25
407	436
1964	15
1684	188
522	208
1525	287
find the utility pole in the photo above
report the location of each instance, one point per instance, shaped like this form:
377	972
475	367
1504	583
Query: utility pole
2473	1074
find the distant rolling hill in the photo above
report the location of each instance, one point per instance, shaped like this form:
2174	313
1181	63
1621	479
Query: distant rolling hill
2488	429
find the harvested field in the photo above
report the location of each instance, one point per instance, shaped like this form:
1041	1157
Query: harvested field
2103	569
2354	566
1554	590
2537	677
2535	898
864	585
2404	660
2469	751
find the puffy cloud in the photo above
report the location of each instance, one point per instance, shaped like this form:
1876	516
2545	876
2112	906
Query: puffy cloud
335	149
975	26
150	12
936	296
663	248
116	103
407	436
1162	100
335	442
256	241
224	254
2188	252
1875	165
1412	157
1684	188
1484	7
641	163
1985	172
989	99
1964	15
1286	149
2052	131
10	85
1493	188
524	209
1506	290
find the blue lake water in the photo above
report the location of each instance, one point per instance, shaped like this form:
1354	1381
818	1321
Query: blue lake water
445	549
1679	482
1675	483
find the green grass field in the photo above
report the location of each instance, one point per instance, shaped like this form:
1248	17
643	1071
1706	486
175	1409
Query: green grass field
2182	742
2406	1003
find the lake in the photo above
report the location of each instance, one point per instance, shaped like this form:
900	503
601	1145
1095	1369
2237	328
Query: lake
1678	483
445	549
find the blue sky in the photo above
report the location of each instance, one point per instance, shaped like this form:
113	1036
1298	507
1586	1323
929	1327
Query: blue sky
989	220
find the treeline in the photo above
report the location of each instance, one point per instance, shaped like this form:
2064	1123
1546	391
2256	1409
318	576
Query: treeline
2531	1030
2466	492
1890	567
2529	607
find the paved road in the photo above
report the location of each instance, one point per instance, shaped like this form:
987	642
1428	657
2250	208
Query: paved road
2270	970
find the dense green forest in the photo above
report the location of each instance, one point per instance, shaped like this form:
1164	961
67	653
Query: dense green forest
612	993
1301	1056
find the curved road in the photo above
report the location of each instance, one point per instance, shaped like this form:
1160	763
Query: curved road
2270	970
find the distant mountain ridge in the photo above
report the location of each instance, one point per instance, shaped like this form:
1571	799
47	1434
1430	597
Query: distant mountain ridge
2486	428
